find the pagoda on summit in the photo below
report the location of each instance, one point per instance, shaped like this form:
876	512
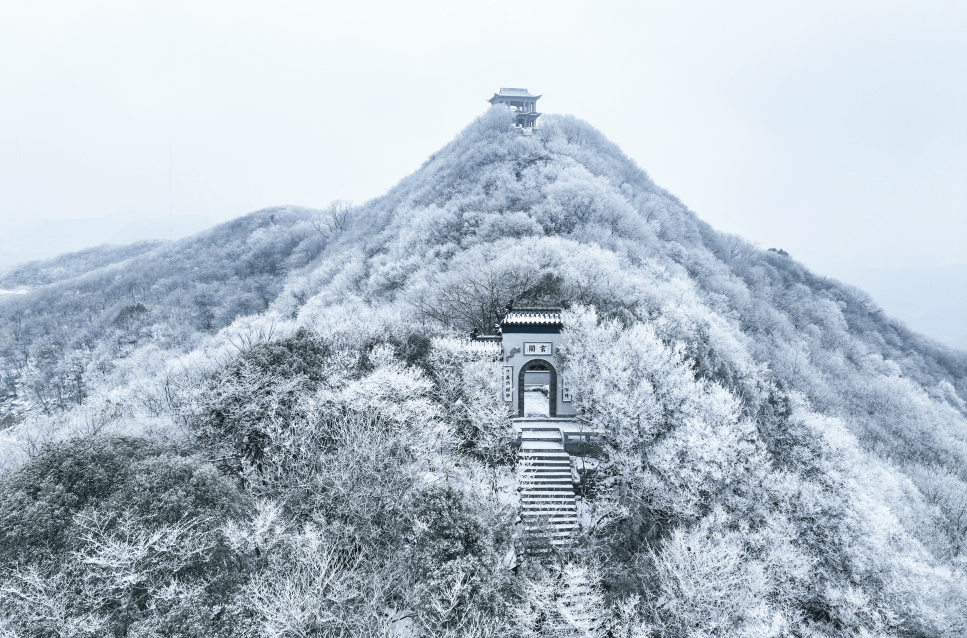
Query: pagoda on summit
523	103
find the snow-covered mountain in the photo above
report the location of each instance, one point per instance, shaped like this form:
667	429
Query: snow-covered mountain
782	458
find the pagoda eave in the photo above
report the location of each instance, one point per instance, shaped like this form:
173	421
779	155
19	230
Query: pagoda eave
512	98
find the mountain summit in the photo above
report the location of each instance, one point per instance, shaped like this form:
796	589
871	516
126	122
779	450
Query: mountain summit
775	455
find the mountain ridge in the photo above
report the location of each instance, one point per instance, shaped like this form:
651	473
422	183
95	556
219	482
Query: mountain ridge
773	417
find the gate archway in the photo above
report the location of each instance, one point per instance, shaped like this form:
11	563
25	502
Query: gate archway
538	365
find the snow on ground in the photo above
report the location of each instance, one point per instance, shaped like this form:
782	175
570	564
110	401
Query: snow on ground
536	403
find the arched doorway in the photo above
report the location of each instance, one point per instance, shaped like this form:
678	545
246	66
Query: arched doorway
537	389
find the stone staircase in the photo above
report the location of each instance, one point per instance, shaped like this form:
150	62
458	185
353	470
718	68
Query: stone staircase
575	617
548	506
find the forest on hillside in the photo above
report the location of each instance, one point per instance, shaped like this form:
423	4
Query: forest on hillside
278	427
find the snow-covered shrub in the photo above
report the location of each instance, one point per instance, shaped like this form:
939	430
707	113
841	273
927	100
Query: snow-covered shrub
113	535
676	443
265	384
455	557
467	387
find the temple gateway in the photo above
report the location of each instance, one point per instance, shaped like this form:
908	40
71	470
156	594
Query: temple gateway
548	432
531	383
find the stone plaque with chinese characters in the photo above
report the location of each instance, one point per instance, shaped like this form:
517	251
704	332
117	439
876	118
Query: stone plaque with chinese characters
508	385
538	348
565	388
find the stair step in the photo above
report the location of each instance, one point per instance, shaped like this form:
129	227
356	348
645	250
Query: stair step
549	471
536	486
554	467
559	474
543	455
555	492
560	455
536	491
558	496
545	507
562	483
543	549
546	466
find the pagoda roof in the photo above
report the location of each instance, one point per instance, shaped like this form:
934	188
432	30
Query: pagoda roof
536	317
505	94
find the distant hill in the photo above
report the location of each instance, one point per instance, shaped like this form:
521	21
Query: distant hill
191	287
28	240
71	265
781	457
931	300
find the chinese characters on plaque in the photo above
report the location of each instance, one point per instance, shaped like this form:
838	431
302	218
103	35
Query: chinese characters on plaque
508	383
539	348
565	388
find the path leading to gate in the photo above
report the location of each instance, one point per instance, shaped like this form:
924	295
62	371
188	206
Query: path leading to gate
548	504
549	508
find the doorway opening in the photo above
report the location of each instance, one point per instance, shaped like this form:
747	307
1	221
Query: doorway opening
538	389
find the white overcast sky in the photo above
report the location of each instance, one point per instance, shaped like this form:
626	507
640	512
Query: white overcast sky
836	130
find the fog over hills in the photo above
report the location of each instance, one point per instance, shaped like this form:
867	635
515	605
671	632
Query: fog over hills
931	300
778	455
29	240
